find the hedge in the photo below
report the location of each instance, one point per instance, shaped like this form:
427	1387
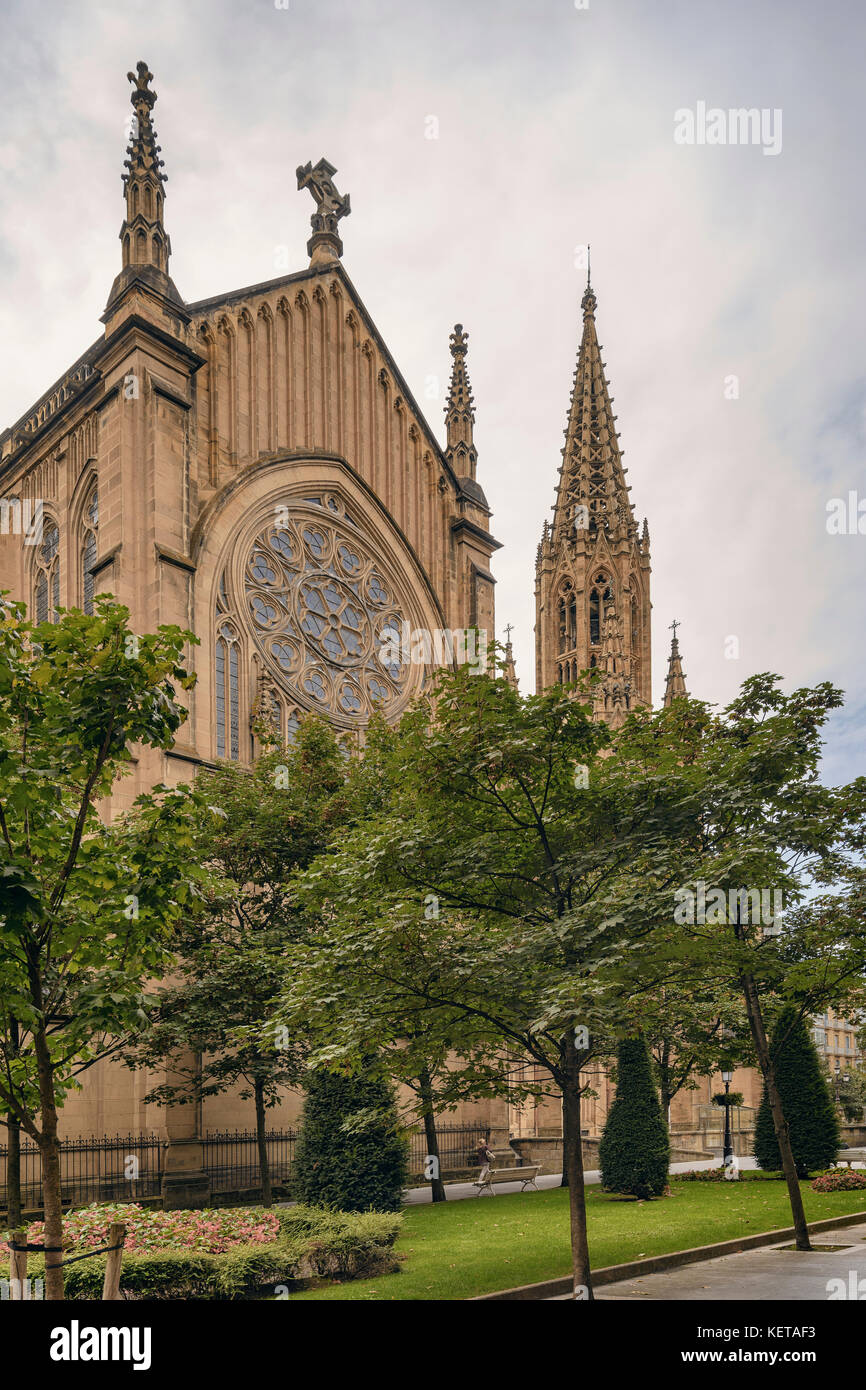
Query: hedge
313	1244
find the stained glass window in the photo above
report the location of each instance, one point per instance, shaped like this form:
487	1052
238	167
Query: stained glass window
323	613
41	597
227	701
46	584
88	549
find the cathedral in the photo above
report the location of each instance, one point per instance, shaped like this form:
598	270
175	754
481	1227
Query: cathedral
254	467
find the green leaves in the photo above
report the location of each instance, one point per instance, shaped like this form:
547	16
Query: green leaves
87	910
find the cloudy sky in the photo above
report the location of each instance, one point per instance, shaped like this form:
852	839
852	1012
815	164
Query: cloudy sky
484	142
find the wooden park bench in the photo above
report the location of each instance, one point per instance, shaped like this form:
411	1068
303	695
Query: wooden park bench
526	1176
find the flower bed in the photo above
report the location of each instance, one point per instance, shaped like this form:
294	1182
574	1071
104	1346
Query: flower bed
207	1232
839	1180
718	1175
246	1252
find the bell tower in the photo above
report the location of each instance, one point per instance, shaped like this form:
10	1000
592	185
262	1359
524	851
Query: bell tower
592	572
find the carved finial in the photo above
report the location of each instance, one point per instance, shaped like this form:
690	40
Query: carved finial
142	91
325	244
458	340
589	302
459	410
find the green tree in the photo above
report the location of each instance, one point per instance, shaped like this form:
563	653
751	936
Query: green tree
635	1149
87	911
352	1152
764	829
508	867
213	1021
692	1032
806	1101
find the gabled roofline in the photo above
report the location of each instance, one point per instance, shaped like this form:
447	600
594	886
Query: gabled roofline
203	306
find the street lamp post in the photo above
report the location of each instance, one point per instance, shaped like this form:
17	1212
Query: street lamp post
727	1077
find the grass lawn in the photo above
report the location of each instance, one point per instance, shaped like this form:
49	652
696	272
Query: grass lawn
456	1249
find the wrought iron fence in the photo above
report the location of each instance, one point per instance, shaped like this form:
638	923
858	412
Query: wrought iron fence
231	1157
126	1167
120	1167
456	1146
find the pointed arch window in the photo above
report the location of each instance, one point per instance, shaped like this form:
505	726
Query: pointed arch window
90	527
567	618
227	679
599	595
46	586
594	618
635	629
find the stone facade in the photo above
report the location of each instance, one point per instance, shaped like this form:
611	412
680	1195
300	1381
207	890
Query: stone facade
253	467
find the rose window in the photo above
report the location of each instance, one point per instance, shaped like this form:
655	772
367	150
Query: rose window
324	614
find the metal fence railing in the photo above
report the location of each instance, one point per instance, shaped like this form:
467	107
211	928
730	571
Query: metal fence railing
231	1157
126	1167
120	1167
456	1145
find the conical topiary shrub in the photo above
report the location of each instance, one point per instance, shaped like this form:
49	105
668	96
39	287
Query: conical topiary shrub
635	1148
352	1153
806	1102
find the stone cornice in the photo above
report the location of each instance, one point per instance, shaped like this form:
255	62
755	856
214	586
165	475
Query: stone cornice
174	557
462	523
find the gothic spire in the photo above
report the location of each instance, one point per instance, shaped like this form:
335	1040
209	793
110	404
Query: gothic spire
459	411
675	687
143	233
145	243
592	493
509	669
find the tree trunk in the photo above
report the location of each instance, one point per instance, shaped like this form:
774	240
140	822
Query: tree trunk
563	1182
572	1155
49	1149
780	1124
425	1090
261	1144
665	1082
13	1173
13	1151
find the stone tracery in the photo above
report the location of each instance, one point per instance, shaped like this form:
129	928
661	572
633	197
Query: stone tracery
322	611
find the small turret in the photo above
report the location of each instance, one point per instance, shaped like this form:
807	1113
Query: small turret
460	448
675	687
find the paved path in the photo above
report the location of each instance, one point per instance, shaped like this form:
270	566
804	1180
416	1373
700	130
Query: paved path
755	1275
457	1191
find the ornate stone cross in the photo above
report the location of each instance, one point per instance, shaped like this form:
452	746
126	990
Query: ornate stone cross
325	244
